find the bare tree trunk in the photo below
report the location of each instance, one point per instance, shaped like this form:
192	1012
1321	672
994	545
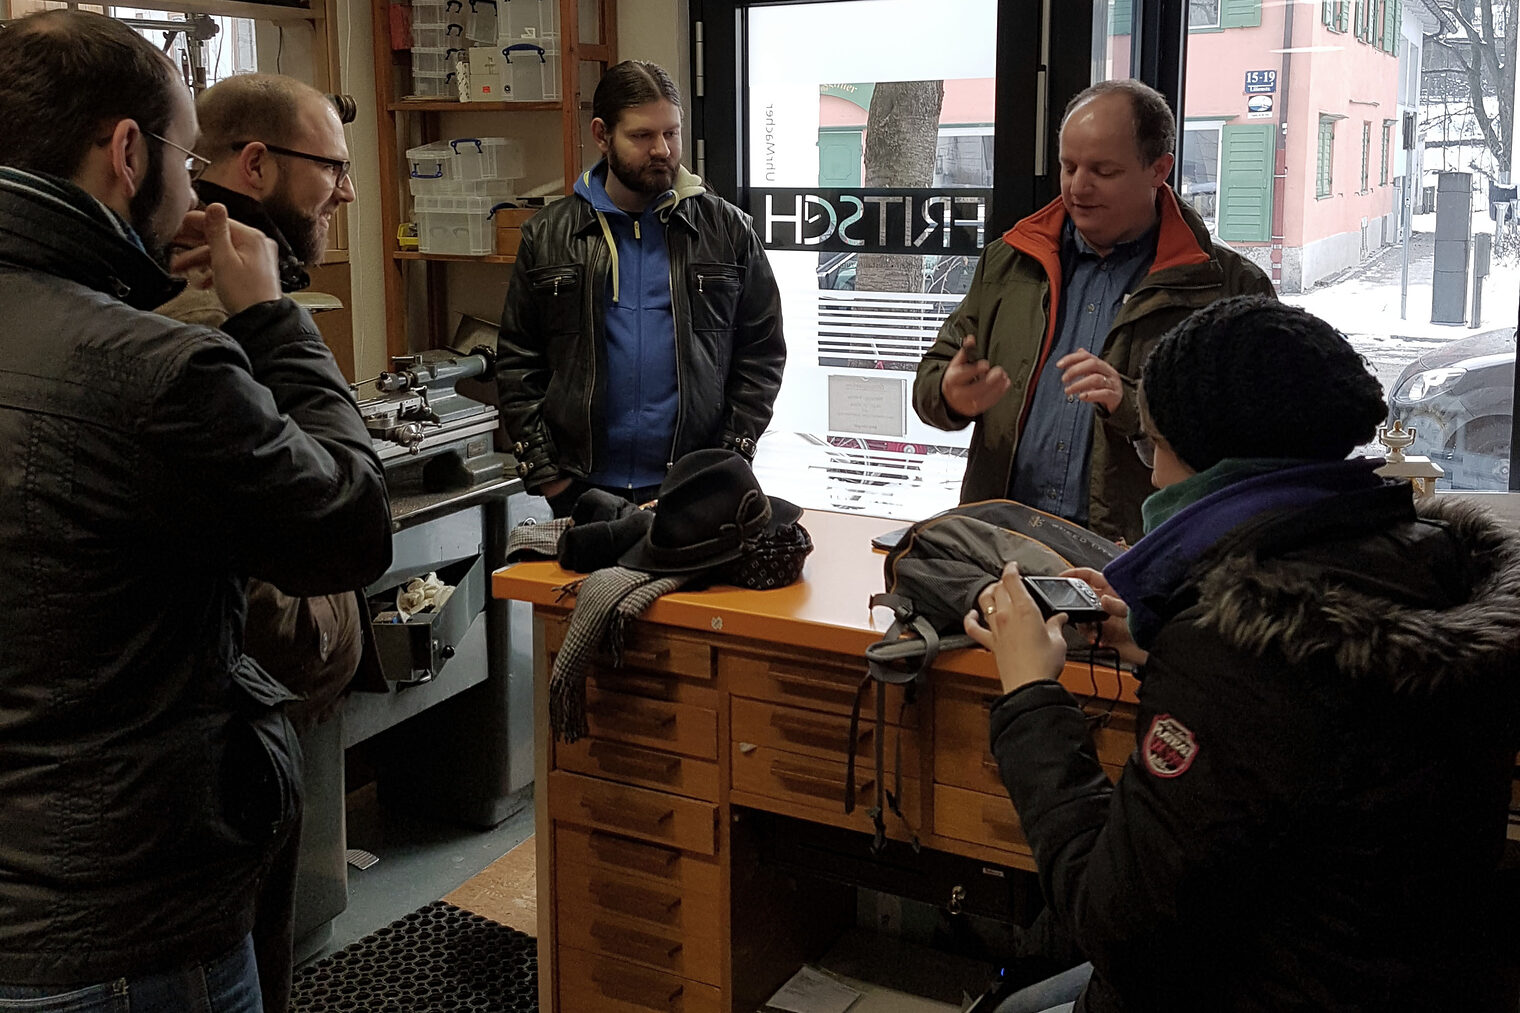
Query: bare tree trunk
902	132
1488	64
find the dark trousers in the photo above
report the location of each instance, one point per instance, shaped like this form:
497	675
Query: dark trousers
274	922
226	984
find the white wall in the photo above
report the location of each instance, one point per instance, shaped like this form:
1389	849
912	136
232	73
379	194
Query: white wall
366	246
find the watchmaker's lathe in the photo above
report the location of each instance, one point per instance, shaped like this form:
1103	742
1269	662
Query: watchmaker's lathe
414	411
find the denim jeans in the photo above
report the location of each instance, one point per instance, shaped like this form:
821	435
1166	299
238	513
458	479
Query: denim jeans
1056	994
226	984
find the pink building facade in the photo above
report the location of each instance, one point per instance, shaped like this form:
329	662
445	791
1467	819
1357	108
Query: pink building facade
1291	132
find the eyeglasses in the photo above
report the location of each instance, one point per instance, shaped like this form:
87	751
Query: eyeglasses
194	164
338	165
1145	449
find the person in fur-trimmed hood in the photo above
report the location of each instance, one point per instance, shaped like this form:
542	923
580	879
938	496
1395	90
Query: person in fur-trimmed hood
1316	806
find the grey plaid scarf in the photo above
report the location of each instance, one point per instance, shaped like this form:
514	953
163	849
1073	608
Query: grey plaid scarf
606	601
536	538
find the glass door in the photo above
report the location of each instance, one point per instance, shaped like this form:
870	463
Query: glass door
869	167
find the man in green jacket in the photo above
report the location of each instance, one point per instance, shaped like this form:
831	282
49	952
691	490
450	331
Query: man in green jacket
1062	312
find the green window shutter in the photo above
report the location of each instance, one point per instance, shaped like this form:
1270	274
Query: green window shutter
1392	23
1366	156
1121	17
1245	182
1327	12
1356	20
1325	164
1239	13
1342	15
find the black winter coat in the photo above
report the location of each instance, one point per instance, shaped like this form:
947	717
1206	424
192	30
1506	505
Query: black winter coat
146	767
551	373
1313	815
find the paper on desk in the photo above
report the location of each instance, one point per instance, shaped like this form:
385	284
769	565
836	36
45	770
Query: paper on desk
812	991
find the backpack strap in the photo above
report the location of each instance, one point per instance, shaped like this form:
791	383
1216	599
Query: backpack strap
889	669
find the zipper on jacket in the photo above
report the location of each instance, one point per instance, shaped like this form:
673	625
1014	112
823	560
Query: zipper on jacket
675	318
636	233
589	314
700	280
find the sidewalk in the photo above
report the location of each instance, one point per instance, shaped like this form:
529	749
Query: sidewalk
1363	302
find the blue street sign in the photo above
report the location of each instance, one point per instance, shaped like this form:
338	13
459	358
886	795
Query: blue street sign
1261	82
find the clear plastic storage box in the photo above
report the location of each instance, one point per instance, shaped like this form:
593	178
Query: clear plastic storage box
434	84
465	166
481	26
456	225
436	37
525	20
530	71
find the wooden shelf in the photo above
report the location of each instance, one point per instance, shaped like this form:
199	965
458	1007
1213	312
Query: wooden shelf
489	258
417	299
433	105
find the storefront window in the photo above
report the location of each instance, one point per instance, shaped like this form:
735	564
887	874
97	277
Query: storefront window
858	146
1412	258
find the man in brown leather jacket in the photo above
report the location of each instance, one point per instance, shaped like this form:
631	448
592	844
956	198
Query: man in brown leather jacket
277	159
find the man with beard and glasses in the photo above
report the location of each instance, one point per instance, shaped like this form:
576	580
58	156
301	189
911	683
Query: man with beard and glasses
261	134
277	158
642	321
147	768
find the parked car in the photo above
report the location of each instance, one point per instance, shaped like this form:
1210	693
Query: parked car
942	274
1459	399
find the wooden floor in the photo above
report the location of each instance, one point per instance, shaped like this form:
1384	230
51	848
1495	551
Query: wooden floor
504	891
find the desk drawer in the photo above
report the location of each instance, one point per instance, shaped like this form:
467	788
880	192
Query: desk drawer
632	918
649	768
649	649
820	682
811	733
633	812
988	820
658	724
963	756
667	867
593	983
808	783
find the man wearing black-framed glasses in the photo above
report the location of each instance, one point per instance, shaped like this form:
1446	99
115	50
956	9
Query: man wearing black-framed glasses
277	157
262	134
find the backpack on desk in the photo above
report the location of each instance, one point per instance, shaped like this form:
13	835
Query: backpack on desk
932	578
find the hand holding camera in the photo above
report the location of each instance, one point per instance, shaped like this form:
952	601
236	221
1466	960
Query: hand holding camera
1070	595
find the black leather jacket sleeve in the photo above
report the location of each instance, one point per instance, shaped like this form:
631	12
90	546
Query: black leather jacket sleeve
522	373
759	353
279	456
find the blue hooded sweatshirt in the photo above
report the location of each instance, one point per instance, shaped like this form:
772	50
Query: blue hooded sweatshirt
641	396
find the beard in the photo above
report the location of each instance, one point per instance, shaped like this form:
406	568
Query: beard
306	233
144	207
650	179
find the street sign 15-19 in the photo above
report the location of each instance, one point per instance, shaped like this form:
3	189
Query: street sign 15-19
1261	82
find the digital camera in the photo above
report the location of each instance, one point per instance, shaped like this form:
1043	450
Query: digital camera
1065	594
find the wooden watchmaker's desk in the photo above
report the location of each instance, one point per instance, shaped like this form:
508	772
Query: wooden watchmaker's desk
732	709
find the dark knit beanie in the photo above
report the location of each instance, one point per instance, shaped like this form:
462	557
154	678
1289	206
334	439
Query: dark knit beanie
1252	377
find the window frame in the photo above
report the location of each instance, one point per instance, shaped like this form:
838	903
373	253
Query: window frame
1218	24
1366	157
1324	166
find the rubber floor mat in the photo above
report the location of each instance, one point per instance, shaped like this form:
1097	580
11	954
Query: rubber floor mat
436	958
